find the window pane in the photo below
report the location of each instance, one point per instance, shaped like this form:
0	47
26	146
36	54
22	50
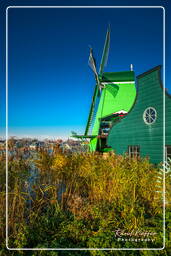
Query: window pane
134	151
168	151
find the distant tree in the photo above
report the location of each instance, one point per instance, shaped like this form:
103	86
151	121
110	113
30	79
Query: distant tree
11	142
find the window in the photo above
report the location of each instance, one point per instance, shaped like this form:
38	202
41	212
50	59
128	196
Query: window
105	127
168	152
150	115
134	151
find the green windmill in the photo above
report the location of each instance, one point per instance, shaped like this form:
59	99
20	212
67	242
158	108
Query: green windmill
113	97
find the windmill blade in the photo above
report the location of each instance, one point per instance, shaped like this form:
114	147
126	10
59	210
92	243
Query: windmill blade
105	52
96	92
92	64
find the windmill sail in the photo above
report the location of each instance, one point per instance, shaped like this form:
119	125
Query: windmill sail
92	64
99	86
105	52
90	117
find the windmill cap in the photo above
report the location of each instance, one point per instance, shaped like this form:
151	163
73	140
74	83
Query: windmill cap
123	76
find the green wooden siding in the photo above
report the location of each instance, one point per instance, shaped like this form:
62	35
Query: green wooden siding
132	129
168	120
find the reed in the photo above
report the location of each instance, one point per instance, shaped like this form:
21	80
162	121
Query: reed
80	200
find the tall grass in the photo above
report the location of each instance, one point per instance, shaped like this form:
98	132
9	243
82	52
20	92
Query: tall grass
100	195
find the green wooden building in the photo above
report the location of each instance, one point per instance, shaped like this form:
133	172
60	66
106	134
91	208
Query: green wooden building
141	131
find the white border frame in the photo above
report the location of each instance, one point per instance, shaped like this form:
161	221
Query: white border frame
81	249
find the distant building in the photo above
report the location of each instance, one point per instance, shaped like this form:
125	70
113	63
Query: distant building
65	146
33	146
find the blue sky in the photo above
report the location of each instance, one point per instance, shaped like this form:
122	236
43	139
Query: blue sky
50	82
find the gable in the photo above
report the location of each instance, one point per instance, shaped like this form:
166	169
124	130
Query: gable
132	130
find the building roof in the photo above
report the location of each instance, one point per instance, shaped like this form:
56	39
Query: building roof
118	76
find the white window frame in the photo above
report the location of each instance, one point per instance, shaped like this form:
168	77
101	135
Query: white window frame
134	151
145	116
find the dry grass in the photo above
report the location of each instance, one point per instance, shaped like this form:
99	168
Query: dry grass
114	190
